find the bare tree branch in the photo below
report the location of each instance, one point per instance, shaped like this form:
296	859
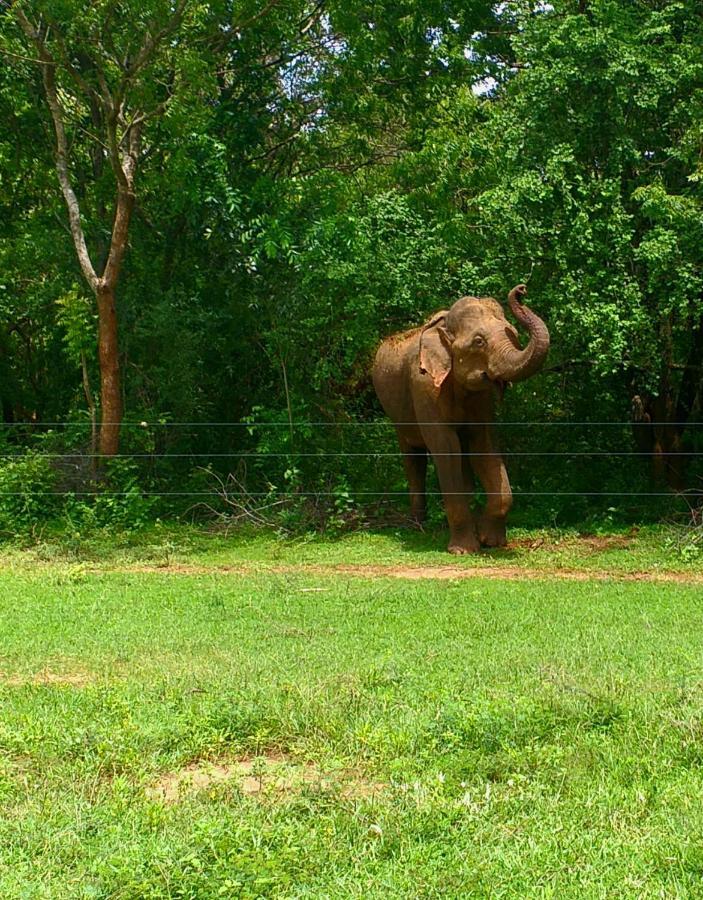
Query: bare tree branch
152	41
132	158
105	93
255	18
141	116
32	59
125	170
66	62
309	19
123	184
74	213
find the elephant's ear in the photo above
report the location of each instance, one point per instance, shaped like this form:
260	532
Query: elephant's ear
435	350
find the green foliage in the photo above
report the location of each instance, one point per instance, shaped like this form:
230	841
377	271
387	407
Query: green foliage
120	502
28	493
78	319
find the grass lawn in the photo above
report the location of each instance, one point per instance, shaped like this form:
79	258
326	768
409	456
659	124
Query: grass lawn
304	733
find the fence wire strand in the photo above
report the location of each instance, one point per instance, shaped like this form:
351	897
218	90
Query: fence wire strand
333	454
384	423
692	493
253	427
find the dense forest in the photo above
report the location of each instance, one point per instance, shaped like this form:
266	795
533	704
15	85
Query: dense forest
211	213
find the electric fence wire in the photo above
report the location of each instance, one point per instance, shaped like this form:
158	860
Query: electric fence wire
324	454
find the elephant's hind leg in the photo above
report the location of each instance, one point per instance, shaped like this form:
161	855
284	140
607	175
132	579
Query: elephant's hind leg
415	461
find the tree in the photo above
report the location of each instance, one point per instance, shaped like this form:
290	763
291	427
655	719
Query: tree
106	71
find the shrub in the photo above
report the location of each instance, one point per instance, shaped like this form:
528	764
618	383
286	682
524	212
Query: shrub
28	493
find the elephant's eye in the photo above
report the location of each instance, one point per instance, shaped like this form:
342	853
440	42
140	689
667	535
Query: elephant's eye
478	341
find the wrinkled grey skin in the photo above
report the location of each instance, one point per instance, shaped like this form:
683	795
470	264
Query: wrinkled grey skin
438	384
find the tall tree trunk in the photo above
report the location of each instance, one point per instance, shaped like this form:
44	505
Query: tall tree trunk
108	343
109	358
109	364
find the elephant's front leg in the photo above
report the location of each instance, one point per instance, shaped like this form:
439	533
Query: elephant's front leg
488	465
445	447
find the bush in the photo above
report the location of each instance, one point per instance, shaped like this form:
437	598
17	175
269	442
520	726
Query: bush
119	501
28	493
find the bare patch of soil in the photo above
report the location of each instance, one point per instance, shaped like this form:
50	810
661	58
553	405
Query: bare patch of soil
197	776
511	573
594	543
270	776
441	572
66	679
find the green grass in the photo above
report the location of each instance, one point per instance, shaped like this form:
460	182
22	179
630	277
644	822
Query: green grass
644	549
534	738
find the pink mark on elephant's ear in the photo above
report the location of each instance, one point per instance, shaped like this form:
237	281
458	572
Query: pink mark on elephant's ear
435	350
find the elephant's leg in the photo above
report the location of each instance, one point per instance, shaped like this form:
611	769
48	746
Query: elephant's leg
415	461
445	447
490	470
467	470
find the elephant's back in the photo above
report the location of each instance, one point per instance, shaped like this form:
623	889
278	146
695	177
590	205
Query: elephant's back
390	370
393	353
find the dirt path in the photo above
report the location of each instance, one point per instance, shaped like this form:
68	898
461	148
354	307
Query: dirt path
418	573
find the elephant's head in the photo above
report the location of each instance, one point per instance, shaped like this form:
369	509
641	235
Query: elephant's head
475	342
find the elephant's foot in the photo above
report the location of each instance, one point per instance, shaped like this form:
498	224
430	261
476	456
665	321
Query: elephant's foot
464	541
491	531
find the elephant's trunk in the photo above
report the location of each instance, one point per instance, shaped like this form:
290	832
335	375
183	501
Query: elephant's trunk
512	363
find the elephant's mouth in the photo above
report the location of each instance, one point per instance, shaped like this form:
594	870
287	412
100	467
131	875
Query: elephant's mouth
500	387
497	383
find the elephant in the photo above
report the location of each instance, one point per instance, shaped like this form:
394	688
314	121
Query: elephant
438	384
